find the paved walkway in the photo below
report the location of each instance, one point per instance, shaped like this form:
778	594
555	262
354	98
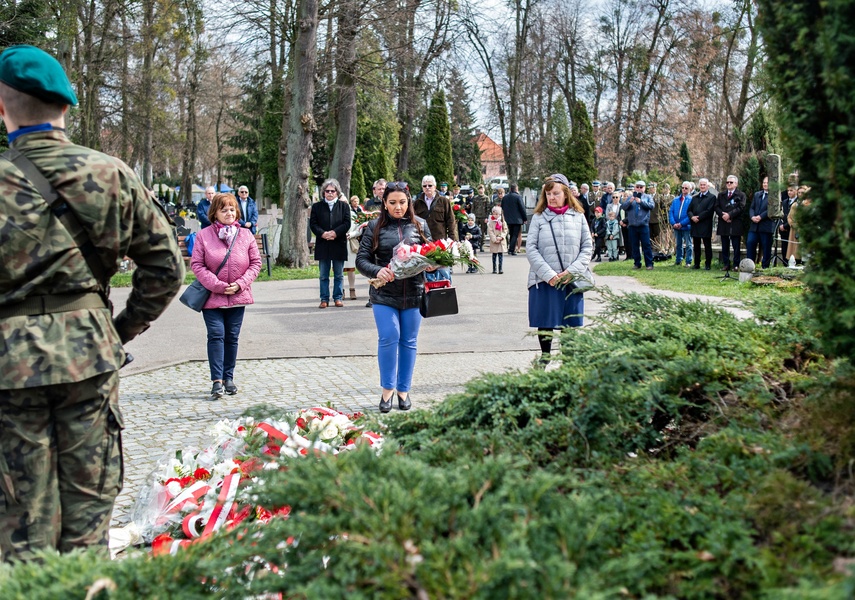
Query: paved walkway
294	355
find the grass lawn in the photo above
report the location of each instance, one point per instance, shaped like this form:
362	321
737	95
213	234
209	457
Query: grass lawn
667	276
278	273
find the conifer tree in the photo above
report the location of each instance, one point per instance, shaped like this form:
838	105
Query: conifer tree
557	136
811	79
580	147
357	181
462	121
685	170
437	141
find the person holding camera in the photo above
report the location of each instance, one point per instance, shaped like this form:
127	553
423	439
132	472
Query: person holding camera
637	219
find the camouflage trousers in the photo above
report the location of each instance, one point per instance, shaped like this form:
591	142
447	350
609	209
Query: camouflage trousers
60	465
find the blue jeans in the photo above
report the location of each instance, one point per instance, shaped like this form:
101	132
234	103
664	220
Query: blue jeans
640	234
684	238
397	333
338	279
765	240
441	274
223	326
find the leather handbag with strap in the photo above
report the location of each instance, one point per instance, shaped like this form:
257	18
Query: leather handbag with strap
439	299
45	304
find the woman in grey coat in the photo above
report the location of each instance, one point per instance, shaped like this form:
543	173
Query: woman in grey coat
558	248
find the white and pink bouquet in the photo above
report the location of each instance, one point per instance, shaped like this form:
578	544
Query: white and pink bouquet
408	260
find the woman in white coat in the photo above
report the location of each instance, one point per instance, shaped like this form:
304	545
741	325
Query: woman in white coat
558	247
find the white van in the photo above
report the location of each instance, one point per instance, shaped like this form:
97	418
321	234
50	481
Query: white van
498	182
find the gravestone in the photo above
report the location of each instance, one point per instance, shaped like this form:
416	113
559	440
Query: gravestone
776	186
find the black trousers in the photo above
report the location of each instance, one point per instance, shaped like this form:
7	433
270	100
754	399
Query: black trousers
726	242
696	243
513	236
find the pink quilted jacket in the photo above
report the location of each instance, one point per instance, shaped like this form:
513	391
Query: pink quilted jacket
242	267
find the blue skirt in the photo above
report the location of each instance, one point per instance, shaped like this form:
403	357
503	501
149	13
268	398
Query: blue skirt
553	308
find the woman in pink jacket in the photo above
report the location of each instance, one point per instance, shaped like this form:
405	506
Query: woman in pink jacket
230	287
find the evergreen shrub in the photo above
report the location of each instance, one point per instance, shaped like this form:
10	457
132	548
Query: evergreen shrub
666	457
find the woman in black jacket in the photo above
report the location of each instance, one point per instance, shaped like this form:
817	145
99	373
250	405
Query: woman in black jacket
395	304
701	211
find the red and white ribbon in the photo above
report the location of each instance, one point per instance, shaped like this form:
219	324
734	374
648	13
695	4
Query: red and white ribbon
224	504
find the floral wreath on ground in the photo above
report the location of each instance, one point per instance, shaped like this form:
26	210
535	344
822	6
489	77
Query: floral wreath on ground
191	494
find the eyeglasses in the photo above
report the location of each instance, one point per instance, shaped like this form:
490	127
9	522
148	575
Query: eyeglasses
639	187
428	185
330	191
731	182
685	187
243	192
400	186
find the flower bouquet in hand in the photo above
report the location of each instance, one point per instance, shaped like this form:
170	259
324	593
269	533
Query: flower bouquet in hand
460	213
410	260
576	283
364	217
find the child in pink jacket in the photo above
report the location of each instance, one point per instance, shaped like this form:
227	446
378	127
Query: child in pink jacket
230	287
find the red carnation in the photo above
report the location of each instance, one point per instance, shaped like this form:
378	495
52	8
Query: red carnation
456	208
161	544
203	474
301	423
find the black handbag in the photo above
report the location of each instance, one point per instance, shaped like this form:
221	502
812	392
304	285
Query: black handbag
197	294
439	299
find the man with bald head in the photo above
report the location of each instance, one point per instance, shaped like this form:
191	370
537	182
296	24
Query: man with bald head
204	206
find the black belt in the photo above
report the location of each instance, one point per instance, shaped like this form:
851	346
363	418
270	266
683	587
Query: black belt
43	305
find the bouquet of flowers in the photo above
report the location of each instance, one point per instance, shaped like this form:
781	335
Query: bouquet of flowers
364	217
192	493
460	213
410	260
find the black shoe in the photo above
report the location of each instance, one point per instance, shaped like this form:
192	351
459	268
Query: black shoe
599	259
216	391
707	268
404	403
501	272
368	304
494	271
385	405
231	388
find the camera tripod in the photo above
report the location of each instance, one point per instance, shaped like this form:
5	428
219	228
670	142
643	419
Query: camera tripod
727	276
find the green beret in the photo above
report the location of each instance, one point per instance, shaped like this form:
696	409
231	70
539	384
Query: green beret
35	72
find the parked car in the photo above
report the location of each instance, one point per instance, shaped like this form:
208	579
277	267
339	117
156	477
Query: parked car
498	182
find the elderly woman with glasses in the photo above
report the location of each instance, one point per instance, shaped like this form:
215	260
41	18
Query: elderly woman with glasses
330	221
396	302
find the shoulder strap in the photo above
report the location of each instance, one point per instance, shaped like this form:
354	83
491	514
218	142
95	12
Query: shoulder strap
557	249
63	212
226	257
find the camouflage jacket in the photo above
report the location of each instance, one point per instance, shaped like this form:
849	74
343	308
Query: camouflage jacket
38	257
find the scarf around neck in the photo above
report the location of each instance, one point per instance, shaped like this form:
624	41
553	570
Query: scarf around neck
559	211
226	233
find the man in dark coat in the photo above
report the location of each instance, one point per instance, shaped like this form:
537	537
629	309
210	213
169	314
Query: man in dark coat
330	221
436	210
375	203
701	211
762	228
514	210
729	206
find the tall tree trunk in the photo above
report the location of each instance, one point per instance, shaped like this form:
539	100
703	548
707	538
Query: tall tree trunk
298	126
147	84
125	152
345	86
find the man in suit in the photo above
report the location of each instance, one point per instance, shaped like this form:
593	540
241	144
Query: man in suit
637	218
606	198
329	220
729	206
701	211
248	210
788	198
514	211
588	203
762	228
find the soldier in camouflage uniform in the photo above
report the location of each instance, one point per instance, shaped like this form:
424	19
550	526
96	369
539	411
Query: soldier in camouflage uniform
60	347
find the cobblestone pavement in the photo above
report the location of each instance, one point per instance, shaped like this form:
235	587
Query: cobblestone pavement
167	408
